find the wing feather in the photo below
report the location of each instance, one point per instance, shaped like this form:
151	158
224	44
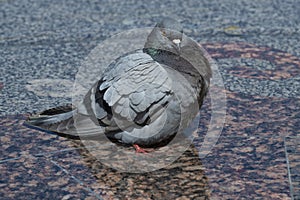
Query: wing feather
129	94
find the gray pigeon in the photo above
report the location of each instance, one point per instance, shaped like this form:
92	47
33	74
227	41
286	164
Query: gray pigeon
143	98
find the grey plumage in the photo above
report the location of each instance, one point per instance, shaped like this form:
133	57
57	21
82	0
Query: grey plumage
144	97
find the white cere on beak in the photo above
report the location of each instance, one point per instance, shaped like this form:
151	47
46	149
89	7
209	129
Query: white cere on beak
177	41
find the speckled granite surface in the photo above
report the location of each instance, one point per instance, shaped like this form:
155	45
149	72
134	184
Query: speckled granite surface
238	167
183	179
248	168
36	178
254	43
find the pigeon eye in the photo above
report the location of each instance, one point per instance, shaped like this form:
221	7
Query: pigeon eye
163	32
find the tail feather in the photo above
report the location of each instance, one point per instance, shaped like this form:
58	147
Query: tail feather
58	110
46	120
66	122
52	119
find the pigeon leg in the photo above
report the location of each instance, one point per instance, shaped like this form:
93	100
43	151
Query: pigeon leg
139	149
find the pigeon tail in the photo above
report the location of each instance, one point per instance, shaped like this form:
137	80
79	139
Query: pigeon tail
67	122
49	120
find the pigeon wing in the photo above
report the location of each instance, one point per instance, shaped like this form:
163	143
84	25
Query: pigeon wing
132	93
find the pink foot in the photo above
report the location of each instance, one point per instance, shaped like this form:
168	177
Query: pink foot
138	149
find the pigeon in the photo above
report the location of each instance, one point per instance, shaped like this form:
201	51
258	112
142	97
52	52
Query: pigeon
143	98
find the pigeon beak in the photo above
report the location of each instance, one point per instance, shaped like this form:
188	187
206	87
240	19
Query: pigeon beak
177	42
177	45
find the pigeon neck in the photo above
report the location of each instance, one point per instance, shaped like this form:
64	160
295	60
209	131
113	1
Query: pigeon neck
151	51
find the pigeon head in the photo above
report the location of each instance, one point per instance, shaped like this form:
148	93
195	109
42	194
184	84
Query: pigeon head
170	29
166	36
